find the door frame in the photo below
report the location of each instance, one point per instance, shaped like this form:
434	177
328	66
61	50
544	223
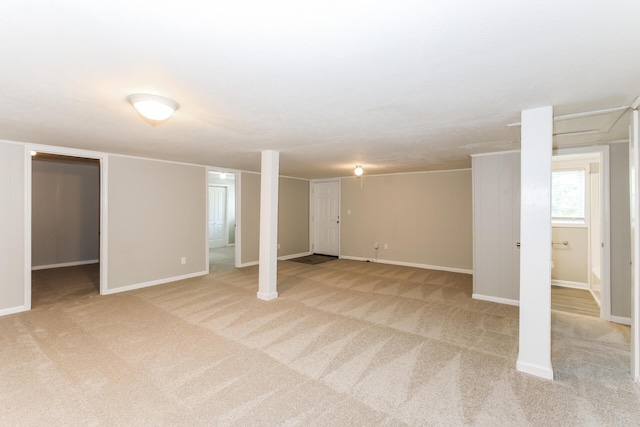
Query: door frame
634	184
312	205
237	206
103	159
605	221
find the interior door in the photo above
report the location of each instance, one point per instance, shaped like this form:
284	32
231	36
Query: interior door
326	217
217	216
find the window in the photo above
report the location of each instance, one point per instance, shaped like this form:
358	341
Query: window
568	196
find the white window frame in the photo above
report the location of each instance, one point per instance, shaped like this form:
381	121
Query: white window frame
575	222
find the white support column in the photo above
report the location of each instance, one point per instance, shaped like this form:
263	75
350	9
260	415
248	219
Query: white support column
634	181
534	355
267	275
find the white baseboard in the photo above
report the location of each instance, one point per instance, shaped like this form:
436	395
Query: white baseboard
248	264
496	299
409	264
65	264
621	320
267	297
545	372
568	284
153	283
13	310
286	257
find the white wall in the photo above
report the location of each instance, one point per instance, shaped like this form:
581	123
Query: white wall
293	217
12	228
157	215
423	218
496	227
571	261
620	232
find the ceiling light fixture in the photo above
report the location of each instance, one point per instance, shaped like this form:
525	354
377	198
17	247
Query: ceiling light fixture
358	171
153	107
33	153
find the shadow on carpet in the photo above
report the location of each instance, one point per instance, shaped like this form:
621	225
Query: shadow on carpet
314	259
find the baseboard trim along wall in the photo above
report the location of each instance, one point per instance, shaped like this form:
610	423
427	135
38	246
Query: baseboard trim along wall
13	310
621	320
286	257
248	264
410	264
568	284
153	283
280	258
496	299
65	264
545	372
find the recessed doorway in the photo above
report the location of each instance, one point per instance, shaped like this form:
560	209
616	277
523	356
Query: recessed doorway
221	221
580	232
65	228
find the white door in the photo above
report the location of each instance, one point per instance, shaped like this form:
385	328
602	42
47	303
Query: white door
326	217
217	216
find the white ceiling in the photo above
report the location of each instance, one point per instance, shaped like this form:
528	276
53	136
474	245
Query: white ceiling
396	86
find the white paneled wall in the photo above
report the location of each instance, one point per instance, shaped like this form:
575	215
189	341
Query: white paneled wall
496	227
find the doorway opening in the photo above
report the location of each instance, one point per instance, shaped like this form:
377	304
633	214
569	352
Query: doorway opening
221	225
580	232
65	228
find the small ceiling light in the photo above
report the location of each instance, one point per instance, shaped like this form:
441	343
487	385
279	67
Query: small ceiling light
358	170
153	107
33	153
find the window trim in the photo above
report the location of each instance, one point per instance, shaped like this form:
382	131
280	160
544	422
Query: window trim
574	222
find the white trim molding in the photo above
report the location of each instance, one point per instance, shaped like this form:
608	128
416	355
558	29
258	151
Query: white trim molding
498	300
545	372
287	257
621	320
410	264
103	158
569	284
65	264
14	310
248	264
154	283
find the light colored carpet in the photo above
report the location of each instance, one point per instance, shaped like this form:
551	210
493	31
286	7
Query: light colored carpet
347	343
221	259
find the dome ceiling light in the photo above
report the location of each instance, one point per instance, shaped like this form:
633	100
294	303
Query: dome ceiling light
153	107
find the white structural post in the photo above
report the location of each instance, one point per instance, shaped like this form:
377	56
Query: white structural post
534	355
267	275
634	173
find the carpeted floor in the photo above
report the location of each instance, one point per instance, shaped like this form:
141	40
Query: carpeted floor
346	343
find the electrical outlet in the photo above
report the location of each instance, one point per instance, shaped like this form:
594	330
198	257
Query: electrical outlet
183	260
278	245
376	245
386	246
